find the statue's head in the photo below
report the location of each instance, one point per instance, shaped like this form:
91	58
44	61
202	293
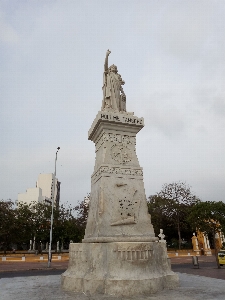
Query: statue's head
113	68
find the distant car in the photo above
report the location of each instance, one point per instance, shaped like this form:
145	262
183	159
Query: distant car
221	256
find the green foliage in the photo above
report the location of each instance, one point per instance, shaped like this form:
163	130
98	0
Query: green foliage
169	210
157	208
208	216
20	224
8	229
24	222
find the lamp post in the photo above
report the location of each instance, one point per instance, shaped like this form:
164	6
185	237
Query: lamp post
53	199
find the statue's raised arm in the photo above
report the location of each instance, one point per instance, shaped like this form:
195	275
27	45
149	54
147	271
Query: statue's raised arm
106	60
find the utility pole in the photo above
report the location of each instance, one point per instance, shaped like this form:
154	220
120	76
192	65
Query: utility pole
53	199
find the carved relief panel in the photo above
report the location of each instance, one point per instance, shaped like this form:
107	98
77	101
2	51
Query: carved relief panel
126	205
141	252
115	138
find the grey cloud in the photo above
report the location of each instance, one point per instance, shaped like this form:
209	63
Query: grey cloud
163	115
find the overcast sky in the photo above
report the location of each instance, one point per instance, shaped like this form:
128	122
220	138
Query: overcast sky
171	55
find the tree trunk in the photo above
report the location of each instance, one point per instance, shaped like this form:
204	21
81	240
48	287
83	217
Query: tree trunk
179	235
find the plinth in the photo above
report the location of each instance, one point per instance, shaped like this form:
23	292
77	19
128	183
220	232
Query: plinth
119	254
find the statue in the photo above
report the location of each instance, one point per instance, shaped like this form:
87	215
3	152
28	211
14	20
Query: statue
161	235
114	97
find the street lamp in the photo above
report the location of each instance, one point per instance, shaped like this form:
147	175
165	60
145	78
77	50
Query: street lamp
53	198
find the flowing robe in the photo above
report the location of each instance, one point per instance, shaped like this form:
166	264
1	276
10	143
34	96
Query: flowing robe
111	90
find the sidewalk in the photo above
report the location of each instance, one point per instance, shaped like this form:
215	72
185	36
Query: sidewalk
18	266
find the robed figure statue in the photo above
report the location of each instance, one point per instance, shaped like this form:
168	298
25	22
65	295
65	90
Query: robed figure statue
114	97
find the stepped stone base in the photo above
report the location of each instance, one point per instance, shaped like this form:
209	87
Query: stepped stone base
118	268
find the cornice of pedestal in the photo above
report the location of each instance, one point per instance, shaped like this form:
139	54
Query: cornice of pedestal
117	170
115	121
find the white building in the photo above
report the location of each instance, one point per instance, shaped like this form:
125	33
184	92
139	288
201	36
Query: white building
43	192
32	195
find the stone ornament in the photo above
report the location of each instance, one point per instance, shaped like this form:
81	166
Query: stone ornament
121	153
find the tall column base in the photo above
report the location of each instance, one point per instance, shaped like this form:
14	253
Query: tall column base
118	268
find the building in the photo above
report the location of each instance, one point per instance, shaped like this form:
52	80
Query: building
43	192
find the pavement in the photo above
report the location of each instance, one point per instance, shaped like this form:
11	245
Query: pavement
207	282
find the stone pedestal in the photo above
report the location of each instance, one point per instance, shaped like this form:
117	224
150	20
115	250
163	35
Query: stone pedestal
119	254
118	268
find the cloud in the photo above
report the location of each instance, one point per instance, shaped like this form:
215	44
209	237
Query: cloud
164	116
184	29
171	56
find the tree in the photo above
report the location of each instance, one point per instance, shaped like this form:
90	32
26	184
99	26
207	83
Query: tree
8	228
208	217
157	208
24	218
82	214
34	221
65	226
177	199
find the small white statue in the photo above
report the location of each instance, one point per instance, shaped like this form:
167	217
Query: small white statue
161	236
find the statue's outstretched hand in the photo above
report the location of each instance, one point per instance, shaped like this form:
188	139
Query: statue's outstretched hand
108	52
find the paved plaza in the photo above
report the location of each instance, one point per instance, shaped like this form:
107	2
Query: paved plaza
192	285
48	287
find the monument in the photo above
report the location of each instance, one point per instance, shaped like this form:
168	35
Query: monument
119	254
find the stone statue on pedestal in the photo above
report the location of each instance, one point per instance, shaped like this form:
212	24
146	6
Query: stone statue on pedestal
120	254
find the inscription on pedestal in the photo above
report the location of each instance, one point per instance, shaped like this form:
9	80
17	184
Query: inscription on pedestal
121	118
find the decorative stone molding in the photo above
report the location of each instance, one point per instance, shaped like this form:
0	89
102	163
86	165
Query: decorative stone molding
137	252
134	255
111	239
117	170
114	122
